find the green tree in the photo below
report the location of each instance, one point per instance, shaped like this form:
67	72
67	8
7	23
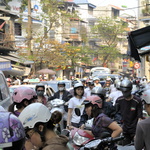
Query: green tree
55	14
109	32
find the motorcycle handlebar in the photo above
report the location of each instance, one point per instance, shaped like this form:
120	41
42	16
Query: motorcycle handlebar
110	139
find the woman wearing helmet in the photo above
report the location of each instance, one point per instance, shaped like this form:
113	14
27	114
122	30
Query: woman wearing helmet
102	123
108	108
12	135
22	96
75	102
39	125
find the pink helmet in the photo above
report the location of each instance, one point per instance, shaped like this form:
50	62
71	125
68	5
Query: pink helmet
8	80
94	99
22	93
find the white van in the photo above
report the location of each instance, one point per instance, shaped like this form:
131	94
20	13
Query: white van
5	97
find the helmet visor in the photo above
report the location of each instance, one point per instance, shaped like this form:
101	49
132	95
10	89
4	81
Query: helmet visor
125	89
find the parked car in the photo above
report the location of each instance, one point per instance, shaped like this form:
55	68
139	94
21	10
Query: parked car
5	96
54	85
49	91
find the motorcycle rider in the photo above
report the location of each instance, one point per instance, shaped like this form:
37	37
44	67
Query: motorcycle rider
115	94
89	88
75	103
72	88
142	135
102	123
40	89
96	81
39	127
62	93
12	136
130	108
107	107
22	97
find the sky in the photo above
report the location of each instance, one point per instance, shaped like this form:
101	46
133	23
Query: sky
119	3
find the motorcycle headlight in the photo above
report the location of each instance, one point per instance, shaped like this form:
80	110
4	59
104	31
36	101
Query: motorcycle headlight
93	144
79	140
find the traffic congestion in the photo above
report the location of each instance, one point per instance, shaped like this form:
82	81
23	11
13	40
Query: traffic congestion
83	113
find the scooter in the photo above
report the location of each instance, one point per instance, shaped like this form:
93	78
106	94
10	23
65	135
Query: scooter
58	105
101	144
79	138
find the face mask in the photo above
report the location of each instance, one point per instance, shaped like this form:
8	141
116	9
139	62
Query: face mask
61	88
126	94
40	93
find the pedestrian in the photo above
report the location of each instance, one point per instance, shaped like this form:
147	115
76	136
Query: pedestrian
142	135
39	128
130	108
75	103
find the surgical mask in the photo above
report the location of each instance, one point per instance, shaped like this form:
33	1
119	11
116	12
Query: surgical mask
61	88
40	93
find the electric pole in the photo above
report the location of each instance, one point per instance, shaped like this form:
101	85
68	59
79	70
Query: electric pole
29	28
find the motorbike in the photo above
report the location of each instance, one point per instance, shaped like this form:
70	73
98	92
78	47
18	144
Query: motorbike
79	138
58	105
101	144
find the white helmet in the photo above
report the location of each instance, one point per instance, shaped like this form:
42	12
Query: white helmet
78	85
146	96
95	78
33	114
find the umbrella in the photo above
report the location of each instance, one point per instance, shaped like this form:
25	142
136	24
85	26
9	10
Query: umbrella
46	71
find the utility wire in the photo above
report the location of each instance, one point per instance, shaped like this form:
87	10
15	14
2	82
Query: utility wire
111	10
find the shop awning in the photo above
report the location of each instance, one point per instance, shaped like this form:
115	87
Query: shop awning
15	59
5	64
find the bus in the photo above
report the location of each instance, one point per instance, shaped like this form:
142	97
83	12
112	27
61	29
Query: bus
96	71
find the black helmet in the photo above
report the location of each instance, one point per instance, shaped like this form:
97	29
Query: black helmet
90	83
126	85
82	80
61	83
98	91
40	85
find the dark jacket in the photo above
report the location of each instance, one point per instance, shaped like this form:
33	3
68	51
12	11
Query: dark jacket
56	143
66	96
